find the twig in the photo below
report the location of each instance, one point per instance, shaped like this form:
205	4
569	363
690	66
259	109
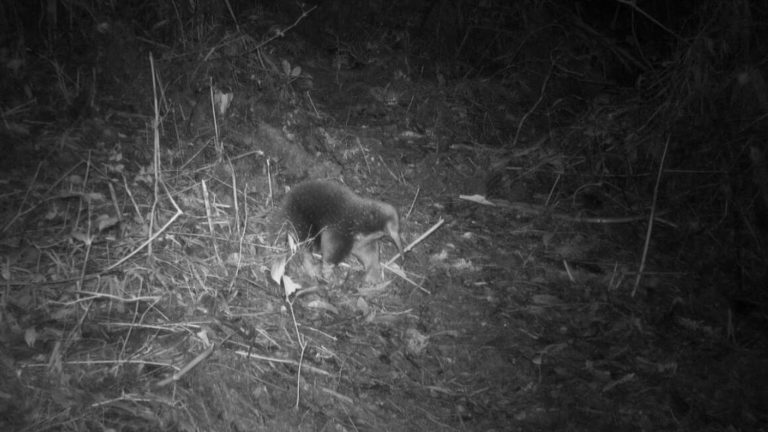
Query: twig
88	235
270	181
413	202
216	138
137	306
139	217
531	209
209	218
24	200
281	33
97	295
234	196
158	182
242	233
304	366
401	274
633	5
115	205
178	375
417	241
232	14
346	399
312	104
88	240
303	345
150	239
156	154
535	105
650	219
115	362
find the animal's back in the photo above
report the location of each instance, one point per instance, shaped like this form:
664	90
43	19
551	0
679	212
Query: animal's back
332	213
314	205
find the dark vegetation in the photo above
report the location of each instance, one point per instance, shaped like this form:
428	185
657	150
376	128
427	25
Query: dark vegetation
600	168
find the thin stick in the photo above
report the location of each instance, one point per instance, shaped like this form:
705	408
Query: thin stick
139	217
151	238
282	32
92	295
242	233
61	195
156	155
535	105
312	104
113	197
269	182
401	274
88	240
26	196
209	218
195	361
304	366
633	5
88	234
158	182
417	241
413	202
650	220
216	138
232	14
531	209
234	196
303	344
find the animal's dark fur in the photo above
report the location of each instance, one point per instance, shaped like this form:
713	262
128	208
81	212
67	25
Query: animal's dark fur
341	222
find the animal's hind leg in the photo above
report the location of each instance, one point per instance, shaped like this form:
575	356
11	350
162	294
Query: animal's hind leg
333	248
368	254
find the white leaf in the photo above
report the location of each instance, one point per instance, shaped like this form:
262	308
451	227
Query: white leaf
324	305
203	335
106	221
286	67
362	306
278	270
293	243
94	197
290	286
479	199
30	336
81	236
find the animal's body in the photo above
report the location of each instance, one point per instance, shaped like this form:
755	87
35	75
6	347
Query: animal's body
341	223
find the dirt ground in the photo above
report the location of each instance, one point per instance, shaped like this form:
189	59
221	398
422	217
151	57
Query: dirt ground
581	268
